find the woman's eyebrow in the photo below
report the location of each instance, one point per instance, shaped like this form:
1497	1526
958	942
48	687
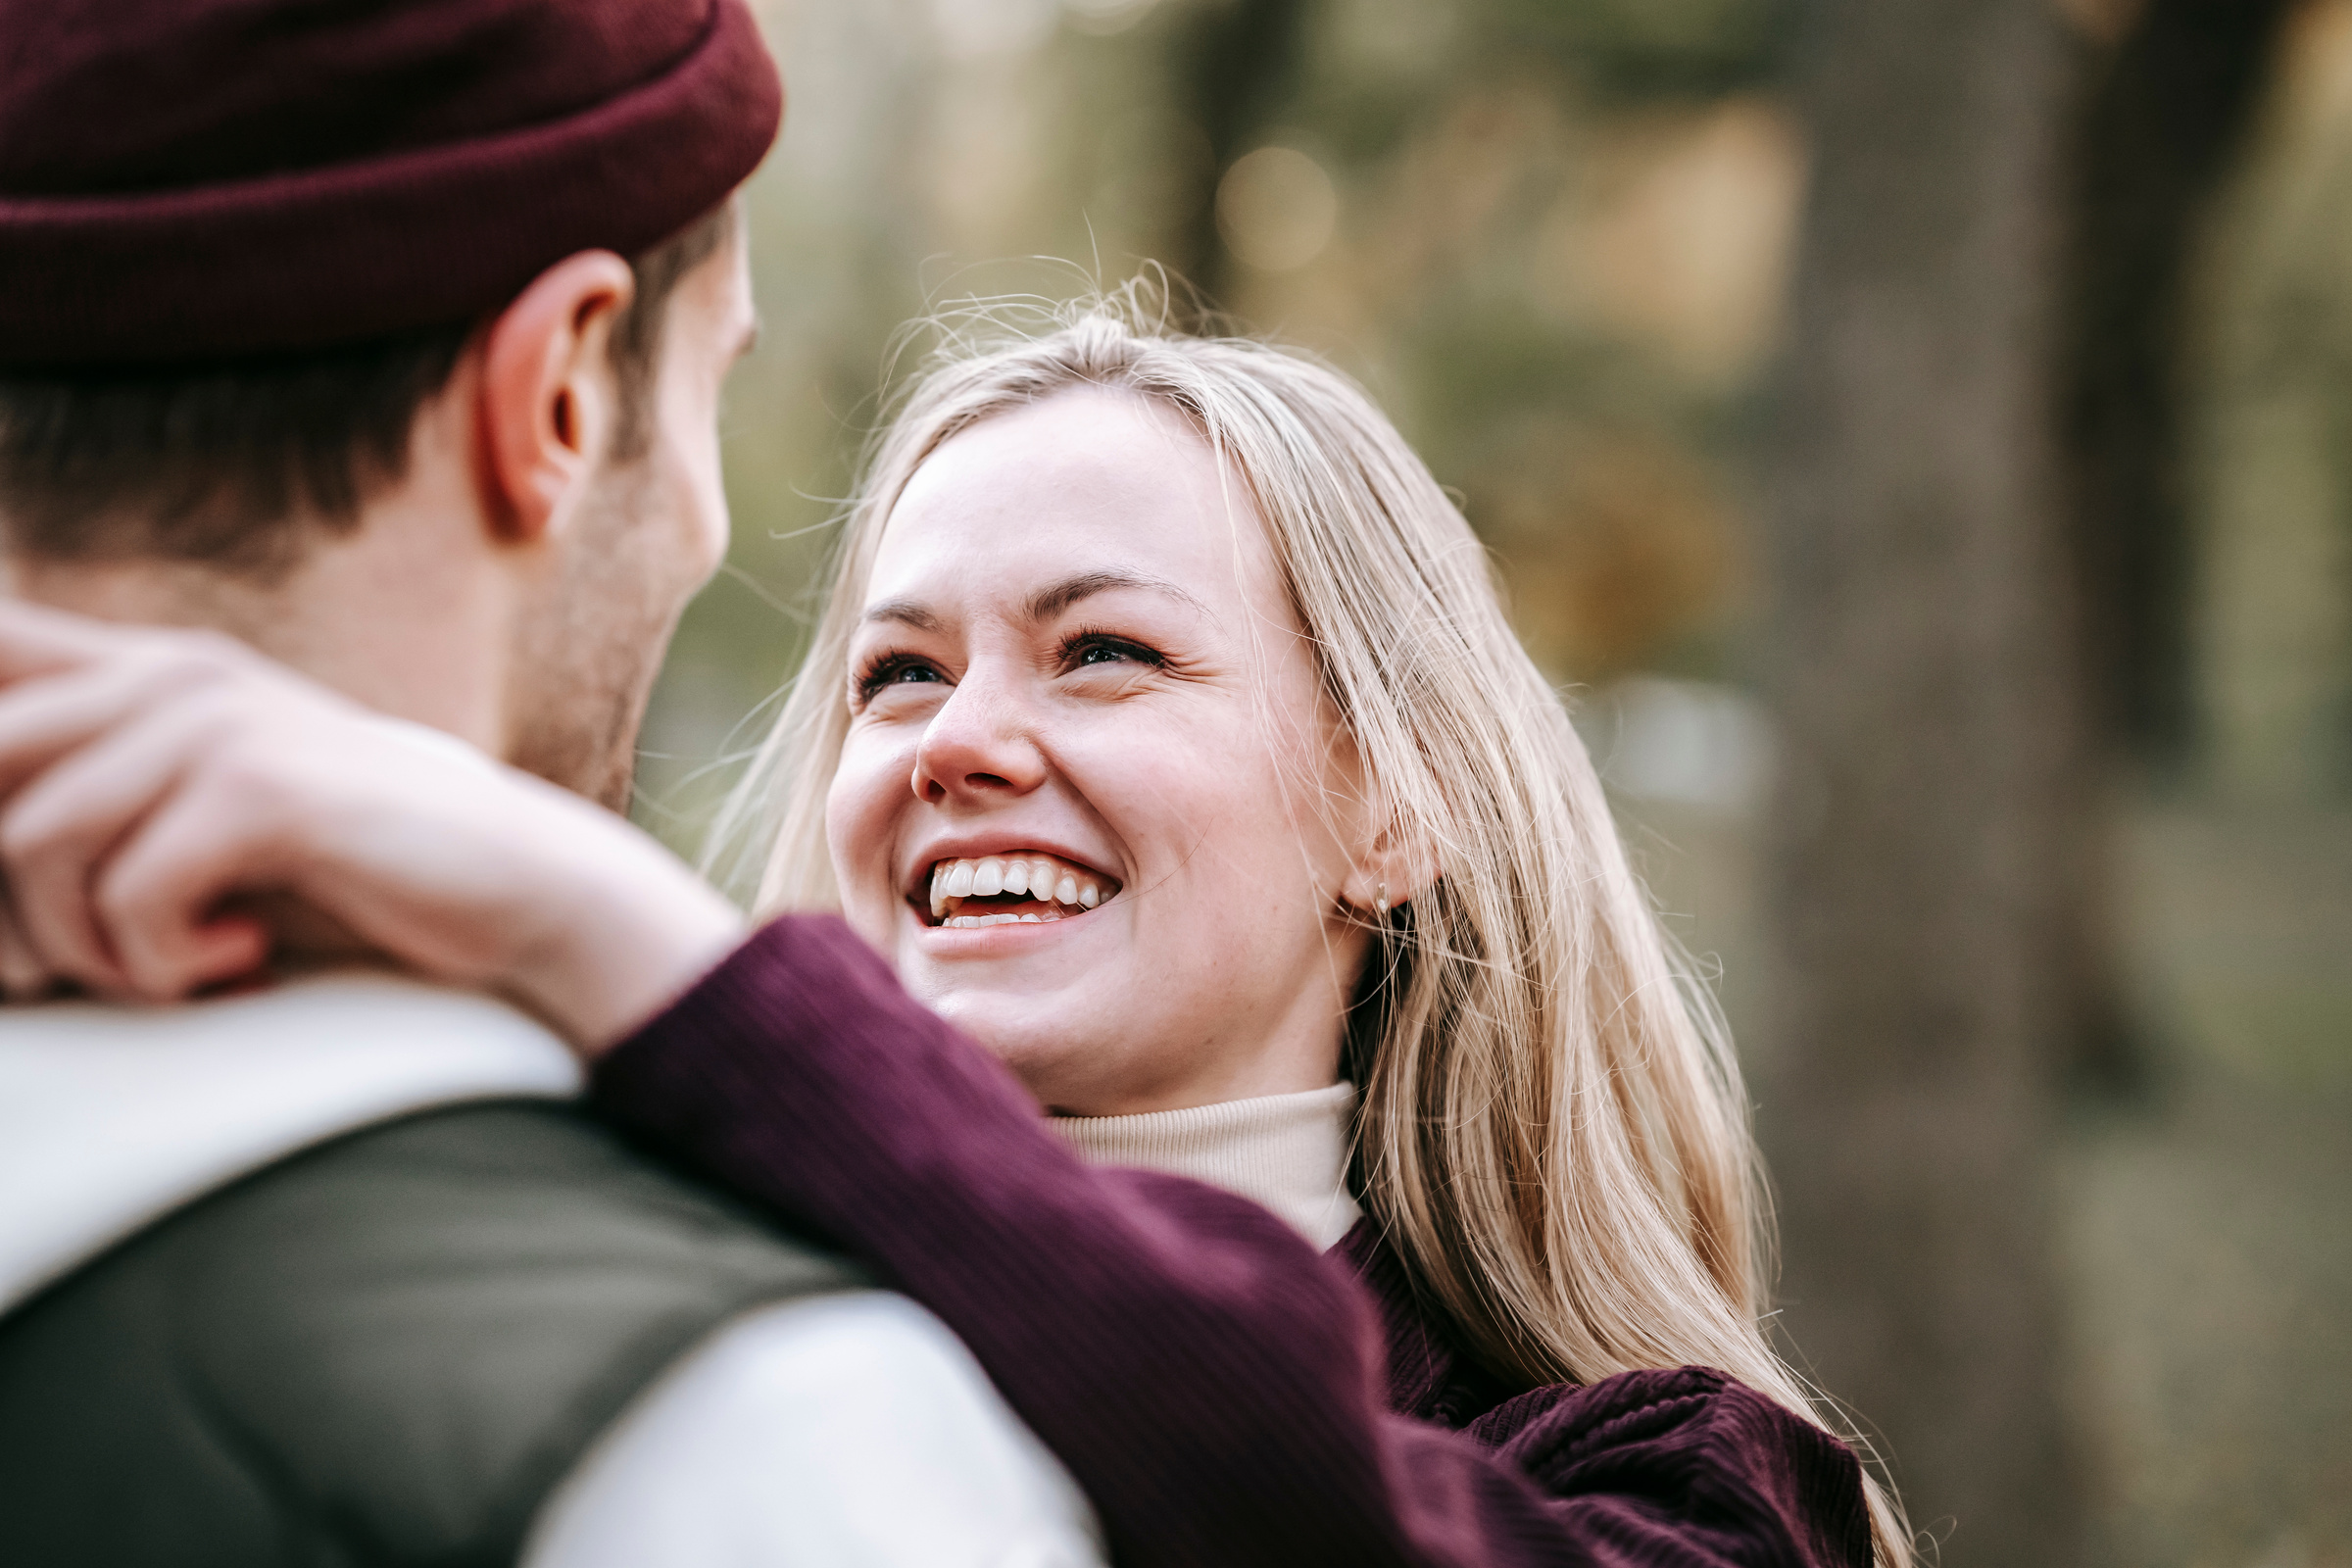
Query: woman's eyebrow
1049	602
1042	605
905	612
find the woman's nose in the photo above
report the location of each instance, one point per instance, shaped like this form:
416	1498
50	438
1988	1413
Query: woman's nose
978	747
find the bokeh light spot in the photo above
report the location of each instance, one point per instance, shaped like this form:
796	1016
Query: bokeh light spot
1106	17
1277	208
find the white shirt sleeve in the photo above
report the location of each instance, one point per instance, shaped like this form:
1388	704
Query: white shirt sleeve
847	1431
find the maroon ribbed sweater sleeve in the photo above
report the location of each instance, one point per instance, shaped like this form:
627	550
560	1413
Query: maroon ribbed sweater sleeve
1212	1382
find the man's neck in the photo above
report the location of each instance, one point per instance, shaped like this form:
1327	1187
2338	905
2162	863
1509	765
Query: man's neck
402	612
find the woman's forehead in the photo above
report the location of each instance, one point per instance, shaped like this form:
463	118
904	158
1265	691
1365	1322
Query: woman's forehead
1086	483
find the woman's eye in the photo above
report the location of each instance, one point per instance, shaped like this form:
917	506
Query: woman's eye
1080	653
894	672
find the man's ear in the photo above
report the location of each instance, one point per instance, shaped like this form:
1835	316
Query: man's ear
549	400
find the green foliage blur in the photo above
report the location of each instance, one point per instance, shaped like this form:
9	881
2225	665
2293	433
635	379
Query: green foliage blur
1551	238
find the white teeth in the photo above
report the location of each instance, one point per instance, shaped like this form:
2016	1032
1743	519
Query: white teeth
1044	880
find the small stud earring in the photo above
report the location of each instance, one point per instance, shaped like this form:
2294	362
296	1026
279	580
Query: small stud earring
1380	902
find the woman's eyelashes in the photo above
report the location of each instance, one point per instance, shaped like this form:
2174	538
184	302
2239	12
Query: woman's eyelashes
1075	653
894	669
1090	649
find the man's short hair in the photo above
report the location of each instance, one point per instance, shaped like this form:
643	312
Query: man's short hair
234	464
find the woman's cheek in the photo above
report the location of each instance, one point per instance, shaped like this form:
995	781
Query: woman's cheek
857	832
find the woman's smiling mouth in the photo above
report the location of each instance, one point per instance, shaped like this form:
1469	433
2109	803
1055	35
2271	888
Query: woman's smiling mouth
1027	887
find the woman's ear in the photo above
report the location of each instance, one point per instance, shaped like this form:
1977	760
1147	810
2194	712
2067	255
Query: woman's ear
1393	868
549	395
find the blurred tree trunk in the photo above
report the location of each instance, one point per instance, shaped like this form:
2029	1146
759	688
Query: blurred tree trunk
1925	683
1236	65
2165	110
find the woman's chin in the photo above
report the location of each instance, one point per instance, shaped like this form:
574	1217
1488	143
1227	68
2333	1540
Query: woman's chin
1054	1044
1055	1002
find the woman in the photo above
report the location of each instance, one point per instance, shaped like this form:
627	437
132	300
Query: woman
1165	734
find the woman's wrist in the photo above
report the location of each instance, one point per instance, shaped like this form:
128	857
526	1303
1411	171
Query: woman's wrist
632	934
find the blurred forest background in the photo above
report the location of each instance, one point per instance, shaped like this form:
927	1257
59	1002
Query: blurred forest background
1918	434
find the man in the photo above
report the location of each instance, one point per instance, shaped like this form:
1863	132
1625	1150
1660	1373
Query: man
387	338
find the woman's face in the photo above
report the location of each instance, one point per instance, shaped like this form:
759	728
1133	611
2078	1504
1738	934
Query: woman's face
1091	803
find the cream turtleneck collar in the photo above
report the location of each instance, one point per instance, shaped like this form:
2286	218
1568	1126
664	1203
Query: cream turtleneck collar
1287	1151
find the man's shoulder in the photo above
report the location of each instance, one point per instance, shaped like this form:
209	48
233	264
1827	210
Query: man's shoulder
111	1118
478	1221
853	1428
534	1193
411	1331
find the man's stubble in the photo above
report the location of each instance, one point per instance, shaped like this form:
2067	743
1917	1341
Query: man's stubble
592	647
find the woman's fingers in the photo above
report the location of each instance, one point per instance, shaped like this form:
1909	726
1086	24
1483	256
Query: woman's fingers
145	775
71	685
155	897
58	830
62	681
22	975
156	776
43	719
38	641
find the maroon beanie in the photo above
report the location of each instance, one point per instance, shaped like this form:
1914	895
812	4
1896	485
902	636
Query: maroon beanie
184	179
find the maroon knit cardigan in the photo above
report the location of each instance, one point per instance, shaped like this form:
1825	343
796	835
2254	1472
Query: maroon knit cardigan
1225	1396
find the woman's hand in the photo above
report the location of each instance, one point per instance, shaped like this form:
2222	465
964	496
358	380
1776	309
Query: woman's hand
174	807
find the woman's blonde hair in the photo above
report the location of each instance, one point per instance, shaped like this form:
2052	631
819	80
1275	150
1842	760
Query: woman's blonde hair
1554	1135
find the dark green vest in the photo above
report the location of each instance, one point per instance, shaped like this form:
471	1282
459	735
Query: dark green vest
384	1350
